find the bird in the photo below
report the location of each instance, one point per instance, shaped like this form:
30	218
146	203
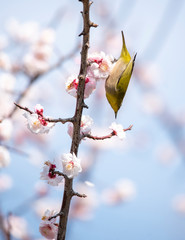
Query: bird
117	82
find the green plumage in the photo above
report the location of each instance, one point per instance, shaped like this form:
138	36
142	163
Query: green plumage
117	82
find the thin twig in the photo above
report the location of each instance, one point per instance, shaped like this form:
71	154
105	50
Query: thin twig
79	195
56	215
61	120
113	133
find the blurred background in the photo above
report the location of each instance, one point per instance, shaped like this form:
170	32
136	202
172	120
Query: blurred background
135	187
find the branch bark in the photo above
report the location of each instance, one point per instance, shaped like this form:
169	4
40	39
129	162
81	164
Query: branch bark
68	187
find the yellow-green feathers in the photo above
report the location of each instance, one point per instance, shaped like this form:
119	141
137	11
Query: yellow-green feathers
117	82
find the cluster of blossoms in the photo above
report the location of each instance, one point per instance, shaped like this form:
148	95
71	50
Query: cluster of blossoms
36	123
36	61
99	68
71	168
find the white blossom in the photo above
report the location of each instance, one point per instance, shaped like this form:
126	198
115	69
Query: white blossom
72	85
118	130
71	165
100	65
85	127
36	124
4	157
49	228
49	175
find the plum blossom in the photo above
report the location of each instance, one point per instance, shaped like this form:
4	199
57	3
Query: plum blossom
4	157
48	228
37	124
85	127
100	65
71	165
49	175
118	130
72	85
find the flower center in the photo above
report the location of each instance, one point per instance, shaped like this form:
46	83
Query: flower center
70	165
51	173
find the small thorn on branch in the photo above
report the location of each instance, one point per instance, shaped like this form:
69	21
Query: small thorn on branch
78	194
82	33
84	105
90	3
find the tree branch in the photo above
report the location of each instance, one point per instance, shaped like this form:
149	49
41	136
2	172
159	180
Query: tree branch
68	187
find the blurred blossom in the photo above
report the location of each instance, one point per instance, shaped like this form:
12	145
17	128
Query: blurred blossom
47	36
3	42
89	184
152	103
41	189
4	157
22	32
17	227
6	128
5	182
71	165
37	124
5	62
5	104
42	52
7	82
83	208
34	66
123	190
148	74
72	85
87	159
36	157
118	130
179	203
48	174
166	154
85	127
42	204
48	228
100	65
